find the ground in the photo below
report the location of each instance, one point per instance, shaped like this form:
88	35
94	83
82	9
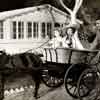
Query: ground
25	88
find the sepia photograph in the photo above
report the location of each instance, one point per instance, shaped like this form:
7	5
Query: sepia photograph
49	50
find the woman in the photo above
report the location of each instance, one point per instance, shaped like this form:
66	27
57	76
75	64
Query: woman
71	39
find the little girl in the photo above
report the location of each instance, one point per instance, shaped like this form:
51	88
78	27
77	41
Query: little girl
56	41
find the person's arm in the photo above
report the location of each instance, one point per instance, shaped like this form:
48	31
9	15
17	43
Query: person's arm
96	43
77	43
64	43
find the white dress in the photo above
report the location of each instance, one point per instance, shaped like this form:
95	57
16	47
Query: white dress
75	42
56	42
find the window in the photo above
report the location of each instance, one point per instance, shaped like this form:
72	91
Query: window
43	30
14	30
35	29
29	24
17	30
20	30
49	30
1	29
57	24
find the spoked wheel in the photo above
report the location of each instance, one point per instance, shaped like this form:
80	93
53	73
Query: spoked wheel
71	78
87	84
51	78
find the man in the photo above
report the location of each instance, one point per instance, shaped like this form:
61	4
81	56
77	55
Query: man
96	43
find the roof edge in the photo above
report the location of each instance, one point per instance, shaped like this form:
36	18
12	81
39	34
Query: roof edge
7	14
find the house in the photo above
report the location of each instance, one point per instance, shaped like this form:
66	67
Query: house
27	28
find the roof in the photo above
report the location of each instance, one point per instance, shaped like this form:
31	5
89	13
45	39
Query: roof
8	14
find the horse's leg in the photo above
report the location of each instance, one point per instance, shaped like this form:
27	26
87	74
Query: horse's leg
37	82
2	80
37	85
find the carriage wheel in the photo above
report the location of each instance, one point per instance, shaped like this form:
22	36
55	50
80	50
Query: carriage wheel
51	79
70	81
87	84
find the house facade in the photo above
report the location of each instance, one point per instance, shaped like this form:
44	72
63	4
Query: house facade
27	28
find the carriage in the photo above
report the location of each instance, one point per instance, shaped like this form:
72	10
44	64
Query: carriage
76	68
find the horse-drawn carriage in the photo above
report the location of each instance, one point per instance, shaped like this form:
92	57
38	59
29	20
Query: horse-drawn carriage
76	68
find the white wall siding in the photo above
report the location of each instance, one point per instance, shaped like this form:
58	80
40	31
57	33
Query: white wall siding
7	30
39	16
13	47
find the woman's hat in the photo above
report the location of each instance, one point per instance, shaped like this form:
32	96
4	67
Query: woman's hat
75	26
70	25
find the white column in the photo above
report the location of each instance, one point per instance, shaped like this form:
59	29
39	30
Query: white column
5	35
16	29
45	29
7	29
25	30
52	28
39	31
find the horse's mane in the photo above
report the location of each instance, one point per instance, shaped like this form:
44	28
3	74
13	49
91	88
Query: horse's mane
26	59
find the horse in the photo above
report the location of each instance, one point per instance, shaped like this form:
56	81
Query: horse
24	62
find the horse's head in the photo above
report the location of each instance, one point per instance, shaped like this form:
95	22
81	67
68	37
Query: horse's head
4	58
2	52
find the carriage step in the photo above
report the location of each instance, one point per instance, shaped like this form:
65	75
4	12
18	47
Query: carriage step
16	90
